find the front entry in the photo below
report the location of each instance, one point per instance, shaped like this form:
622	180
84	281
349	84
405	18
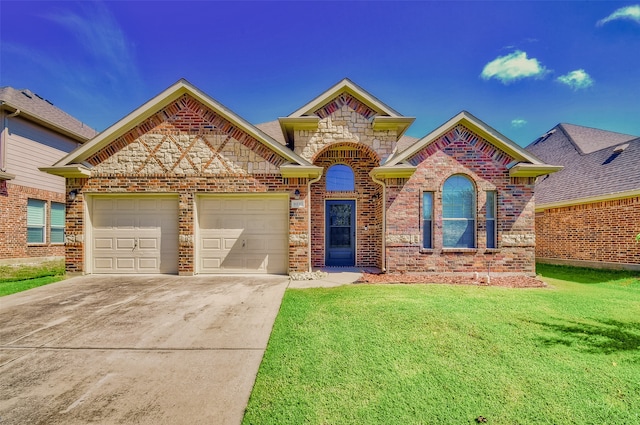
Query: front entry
340	233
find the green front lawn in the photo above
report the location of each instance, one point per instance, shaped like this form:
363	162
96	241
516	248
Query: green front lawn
18	278
439	354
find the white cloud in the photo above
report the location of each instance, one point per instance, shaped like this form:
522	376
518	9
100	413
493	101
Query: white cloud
577	79
518	123
512	67
631	13
99	34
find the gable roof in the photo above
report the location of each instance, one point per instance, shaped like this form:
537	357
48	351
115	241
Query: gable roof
40	110
589	140
610	172
526	164
71	165
308	115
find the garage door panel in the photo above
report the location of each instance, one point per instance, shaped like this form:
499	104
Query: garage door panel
242	235
135	235
144	243
125	244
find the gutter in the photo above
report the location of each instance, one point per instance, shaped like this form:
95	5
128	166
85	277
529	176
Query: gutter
3	142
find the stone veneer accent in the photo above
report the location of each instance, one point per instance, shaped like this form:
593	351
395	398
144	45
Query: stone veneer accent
13	222
340	122
600	232
461	152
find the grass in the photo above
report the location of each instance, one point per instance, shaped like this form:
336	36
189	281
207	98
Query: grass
438	354
18	278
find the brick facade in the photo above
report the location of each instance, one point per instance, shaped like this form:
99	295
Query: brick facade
461	152
186	148
13	226
368	197
599	232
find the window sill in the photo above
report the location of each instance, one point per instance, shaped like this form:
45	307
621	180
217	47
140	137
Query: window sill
462	250
491	250
427	251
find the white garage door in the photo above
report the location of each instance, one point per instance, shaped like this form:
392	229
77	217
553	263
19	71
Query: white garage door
134	234
243	234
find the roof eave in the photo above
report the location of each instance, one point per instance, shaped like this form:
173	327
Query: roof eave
290	124
300	171
45	123
477	126
69	171
400	171
588	200
532	170
151	107
6	176
351	88
398	124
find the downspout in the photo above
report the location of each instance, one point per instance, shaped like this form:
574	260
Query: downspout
3	142
309	183
384	222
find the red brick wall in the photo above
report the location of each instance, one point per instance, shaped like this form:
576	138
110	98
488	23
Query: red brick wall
362	160
187	188
597	232
461	152
13	222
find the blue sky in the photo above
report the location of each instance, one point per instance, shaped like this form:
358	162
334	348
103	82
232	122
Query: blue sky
521	67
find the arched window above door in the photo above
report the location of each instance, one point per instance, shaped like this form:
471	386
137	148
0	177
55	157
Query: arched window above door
340	177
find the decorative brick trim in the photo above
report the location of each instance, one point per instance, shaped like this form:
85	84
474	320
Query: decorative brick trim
345	99
187	116
476	144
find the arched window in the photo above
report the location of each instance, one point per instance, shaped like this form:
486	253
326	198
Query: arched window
340	178
458	213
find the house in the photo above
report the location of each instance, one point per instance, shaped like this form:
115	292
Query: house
589	213
34	134
184	185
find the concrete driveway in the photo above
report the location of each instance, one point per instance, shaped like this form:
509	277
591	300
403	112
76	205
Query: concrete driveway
135	349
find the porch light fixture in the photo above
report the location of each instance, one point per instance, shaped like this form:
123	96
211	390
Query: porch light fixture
296	194
72	195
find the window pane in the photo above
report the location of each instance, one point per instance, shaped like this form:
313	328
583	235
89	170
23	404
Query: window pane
427	237
35	235
57	235
427	205
57	214
35	212
458	198
491	233
491	219
458	233
427	220
35	221
340	178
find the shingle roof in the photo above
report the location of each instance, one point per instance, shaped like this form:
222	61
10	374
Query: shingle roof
588	171
589	140
45	112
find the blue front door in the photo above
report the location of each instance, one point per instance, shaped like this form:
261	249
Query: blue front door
340	231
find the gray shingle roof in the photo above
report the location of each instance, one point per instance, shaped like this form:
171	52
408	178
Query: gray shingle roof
588	171
45	112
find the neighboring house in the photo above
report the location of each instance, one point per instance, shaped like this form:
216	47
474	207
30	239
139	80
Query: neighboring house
184	185
589	213
32	203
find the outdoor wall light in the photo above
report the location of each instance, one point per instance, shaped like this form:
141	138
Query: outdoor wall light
73	194
296	194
